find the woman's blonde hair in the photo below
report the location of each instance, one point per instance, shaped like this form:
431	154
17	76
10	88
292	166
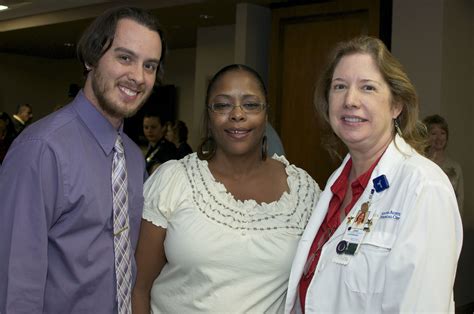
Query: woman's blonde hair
402	92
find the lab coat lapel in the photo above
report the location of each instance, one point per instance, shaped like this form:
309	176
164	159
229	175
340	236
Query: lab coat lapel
392	156
308	236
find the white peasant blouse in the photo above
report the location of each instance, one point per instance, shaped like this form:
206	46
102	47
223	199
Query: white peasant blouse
224	255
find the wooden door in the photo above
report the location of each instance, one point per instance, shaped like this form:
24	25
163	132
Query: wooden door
302	37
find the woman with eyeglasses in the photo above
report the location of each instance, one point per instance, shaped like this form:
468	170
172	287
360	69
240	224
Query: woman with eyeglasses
220	226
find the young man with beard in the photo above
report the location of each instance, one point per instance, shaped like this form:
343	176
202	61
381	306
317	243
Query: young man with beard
71	184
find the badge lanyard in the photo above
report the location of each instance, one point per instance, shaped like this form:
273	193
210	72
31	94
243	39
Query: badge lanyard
359	225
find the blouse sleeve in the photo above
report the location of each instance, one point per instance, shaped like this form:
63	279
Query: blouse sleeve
163	192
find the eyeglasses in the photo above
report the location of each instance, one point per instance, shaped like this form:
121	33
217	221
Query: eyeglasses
226	108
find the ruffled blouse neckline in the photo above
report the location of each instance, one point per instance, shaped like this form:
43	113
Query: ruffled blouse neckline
221	191
290	213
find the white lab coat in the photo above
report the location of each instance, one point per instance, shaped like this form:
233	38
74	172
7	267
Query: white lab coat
403	265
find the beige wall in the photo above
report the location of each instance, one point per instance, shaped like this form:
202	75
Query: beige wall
457	100
417	30
43	83
437	53
215	49
434	41
252	37
179	71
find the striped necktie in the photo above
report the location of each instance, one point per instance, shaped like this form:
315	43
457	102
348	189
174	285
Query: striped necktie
123	270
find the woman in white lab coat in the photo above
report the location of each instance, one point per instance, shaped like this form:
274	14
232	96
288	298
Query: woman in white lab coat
385	236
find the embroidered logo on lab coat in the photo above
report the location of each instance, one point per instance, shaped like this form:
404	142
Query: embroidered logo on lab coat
390	215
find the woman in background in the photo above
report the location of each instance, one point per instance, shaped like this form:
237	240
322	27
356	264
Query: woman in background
438	132
177	133
160	150
401	255
220	227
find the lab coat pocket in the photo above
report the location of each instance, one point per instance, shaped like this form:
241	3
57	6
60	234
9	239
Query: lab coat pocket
365	273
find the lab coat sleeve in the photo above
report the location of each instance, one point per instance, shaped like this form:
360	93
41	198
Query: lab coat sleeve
421	268
460	191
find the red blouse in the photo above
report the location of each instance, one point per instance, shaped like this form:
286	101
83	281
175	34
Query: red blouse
333	219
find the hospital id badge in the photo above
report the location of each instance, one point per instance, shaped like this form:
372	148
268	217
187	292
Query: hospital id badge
349	245
354	235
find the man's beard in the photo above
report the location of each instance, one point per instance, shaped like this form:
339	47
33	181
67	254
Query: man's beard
100	90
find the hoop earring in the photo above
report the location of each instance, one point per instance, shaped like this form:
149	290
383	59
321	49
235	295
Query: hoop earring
264	148
207	149
397	127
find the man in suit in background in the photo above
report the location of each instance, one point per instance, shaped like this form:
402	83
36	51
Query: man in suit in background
24	114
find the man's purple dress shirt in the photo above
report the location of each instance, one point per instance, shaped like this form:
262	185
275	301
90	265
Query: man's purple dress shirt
56	229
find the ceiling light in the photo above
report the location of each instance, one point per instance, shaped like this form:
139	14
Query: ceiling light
3	7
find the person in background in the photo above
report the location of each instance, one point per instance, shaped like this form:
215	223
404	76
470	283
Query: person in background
7	134
72	183
438	132
24	114
401	257
177	133
231	216
159	150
